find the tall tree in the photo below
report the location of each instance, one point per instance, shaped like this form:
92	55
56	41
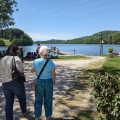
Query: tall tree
7	7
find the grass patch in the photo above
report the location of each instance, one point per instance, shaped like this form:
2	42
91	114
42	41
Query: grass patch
71	57
61	58
111	65
84	115
63	101
82	84
7	42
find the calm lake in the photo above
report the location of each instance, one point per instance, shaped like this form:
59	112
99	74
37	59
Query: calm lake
92	49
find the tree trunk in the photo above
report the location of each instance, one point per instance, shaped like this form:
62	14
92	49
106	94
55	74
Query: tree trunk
1	33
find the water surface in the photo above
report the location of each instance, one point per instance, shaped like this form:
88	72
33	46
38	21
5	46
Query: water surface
92	49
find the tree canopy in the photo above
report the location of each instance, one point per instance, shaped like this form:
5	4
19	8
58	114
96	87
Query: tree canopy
17	36
7	7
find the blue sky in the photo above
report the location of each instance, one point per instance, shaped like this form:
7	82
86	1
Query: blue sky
66	19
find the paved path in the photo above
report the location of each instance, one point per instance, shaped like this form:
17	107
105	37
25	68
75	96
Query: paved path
64	106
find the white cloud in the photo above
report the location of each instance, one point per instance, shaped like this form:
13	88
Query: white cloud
102	8
60	36
75	3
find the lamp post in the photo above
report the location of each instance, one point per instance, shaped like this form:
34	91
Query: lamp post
101	45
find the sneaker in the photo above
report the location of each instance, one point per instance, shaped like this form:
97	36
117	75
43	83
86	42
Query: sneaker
48	118
28	111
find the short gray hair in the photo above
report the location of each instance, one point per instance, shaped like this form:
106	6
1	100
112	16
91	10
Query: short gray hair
44	50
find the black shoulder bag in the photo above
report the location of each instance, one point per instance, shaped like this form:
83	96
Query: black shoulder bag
16	75
34	82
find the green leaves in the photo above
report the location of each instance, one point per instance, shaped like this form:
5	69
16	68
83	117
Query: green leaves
107	96
6	10
110	50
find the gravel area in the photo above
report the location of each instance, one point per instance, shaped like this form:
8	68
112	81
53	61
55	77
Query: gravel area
66	103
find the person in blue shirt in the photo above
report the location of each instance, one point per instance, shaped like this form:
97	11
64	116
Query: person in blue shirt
44	85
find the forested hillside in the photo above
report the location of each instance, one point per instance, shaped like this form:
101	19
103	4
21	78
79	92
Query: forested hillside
108	37
18	37
15	36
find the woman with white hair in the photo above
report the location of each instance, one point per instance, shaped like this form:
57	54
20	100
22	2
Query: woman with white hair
44	85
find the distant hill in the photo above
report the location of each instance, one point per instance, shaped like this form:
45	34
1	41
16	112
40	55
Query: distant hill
108	36
53	41
107	32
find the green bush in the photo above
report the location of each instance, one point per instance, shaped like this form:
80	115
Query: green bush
107	96
110	50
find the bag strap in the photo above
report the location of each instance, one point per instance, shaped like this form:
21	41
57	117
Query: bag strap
13	62
42	69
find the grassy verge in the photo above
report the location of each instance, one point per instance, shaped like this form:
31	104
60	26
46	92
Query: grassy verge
62	58
7	42
70	57
111	65
82	84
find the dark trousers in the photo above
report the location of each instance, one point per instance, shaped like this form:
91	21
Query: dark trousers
10	89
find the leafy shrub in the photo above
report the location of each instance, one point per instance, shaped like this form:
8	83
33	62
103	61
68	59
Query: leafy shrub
110	50
107	96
